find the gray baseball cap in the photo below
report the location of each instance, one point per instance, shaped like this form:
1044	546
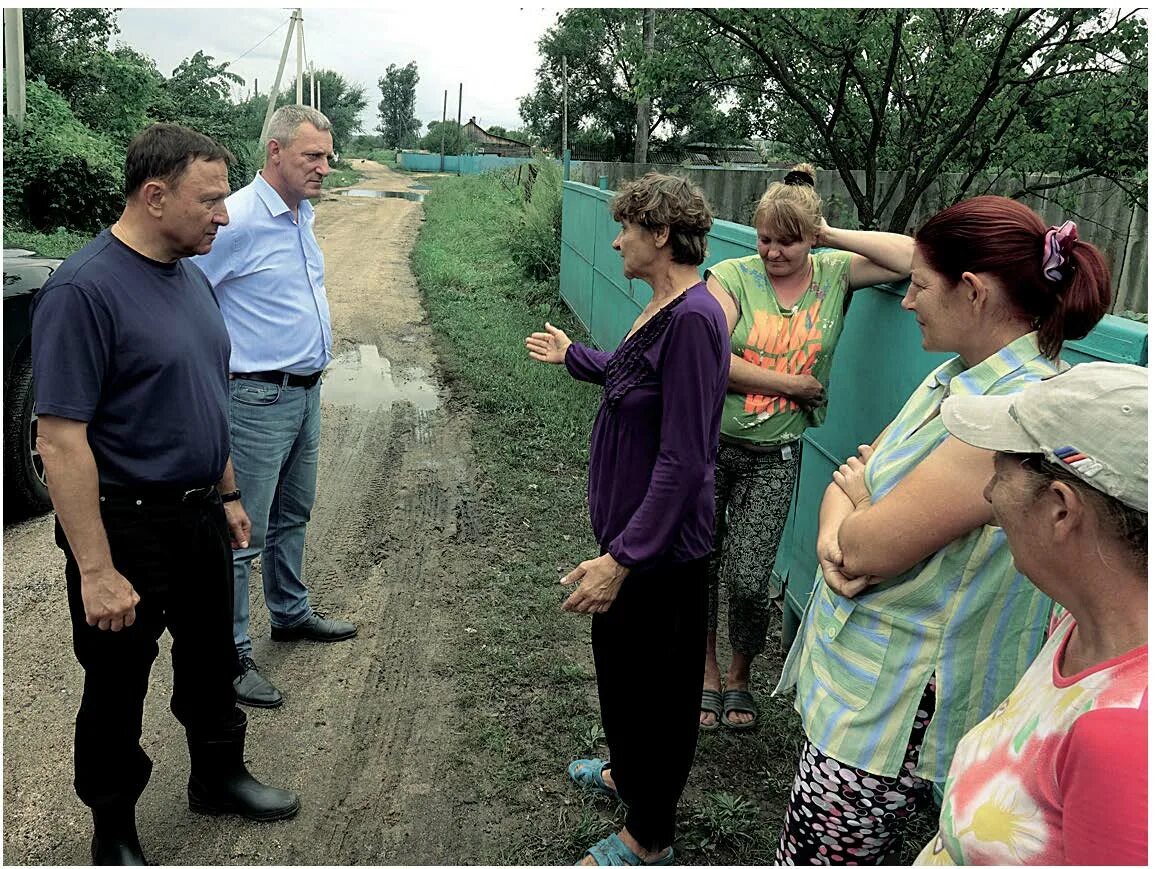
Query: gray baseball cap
1092	419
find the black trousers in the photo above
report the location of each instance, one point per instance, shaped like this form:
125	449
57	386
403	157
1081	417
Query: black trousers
648	653
178	558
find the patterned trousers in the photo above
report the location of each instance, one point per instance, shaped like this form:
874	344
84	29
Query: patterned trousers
753	494
839	815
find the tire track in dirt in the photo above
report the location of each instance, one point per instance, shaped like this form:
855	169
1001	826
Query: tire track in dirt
369	730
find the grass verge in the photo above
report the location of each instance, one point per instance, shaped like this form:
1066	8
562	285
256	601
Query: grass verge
59	244
532	691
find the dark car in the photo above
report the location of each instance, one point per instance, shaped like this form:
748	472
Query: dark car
24	489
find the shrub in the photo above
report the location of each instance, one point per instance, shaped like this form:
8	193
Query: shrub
57	172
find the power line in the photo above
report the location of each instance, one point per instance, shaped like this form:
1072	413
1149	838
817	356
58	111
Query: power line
271	32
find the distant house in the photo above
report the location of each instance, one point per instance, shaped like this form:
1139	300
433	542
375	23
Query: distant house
488	143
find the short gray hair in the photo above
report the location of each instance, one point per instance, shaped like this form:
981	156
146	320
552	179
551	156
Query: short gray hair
285	121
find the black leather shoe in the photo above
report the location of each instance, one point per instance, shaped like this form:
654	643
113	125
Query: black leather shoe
317	628
253	689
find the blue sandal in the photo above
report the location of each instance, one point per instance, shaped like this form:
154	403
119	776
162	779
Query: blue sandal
586	772
612	851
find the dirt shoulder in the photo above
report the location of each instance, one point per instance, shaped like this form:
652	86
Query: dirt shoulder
369	729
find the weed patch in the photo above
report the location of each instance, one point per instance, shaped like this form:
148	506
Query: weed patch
59	244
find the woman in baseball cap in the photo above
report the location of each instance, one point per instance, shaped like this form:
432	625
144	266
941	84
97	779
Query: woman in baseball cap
1058	773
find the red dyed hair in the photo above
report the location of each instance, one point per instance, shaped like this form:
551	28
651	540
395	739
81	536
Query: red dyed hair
1005	238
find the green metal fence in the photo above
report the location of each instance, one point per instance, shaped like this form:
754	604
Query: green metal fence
877	365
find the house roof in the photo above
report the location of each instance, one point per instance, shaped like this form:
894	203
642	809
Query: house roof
476	133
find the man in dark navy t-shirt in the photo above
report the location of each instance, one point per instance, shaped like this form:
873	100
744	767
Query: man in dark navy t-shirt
130	359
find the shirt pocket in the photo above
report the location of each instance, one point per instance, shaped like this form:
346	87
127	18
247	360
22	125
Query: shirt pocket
851	644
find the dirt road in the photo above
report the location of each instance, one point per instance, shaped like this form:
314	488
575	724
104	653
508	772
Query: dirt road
368	729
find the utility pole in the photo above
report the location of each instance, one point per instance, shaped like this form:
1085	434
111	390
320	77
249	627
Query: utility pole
565	123
277	81
14	85
445	101
300	54
312	87
642	117
460	127
317	105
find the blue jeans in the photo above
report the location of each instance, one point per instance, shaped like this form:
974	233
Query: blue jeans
276	433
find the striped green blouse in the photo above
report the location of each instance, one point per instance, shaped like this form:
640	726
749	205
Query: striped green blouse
964	615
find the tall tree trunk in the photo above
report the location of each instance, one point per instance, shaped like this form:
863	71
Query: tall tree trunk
642	118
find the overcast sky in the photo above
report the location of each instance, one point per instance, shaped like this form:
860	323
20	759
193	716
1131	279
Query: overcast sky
489	47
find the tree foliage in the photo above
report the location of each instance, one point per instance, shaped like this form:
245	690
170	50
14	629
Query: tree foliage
341	102
607	71
951	102
979	93
399	125
58	172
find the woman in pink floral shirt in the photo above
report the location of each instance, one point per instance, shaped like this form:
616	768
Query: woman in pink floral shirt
1058	774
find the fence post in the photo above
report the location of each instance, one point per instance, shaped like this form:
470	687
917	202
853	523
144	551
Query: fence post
566	165
603	182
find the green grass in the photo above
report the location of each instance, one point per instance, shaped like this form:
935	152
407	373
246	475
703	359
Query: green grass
343	175
59	244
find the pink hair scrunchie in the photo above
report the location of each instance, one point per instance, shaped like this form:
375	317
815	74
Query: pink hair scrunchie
1058	243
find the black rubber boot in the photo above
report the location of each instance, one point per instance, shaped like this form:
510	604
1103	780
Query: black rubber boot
219	784
114	839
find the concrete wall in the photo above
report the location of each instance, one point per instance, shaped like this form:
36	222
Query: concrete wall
1104	215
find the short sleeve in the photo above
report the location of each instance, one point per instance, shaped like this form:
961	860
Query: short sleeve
72	339
726	274
1103	778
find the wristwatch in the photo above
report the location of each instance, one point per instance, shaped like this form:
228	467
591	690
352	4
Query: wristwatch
235	495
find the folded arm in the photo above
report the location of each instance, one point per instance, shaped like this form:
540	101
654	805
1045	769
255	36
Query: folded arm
940	500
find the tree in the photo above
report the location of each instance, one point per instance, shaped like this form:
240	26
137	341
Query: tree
922	92
609	71
59	45
197	95
341	102
399	126
453	138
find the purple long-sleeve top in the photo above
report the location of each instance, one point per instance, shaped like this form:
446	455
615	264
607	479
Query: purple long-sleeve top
655	438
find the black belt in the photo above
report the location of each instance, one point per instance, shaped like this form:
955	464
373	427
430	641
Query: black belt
281	378
157	494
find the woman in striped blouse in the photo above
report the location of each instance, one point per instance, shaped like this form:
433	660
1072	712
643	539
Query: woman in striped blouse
921	624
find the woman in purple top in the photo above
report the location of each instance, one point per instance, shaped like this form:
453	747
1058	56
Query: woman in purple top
651	491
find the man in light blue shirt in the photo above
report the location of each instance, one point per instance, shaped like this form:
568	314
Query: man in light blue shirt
269	276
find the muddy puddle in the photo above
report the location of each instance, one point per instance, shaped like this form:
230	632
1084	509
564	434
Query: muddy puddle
411	195
365	379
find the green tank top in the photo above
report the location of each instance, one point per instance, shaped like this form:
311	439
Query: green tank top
796	340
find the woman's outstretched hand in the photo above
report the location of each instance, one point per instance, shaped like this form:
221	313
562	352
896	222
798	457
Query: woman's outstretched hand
549	346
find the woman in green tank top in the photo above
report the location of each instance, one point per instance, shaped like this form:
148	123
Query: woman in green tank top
785	309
